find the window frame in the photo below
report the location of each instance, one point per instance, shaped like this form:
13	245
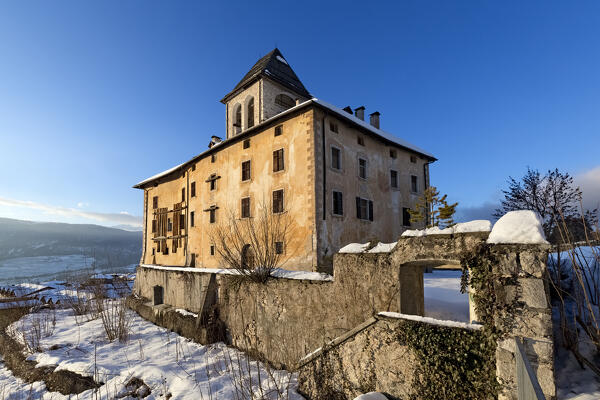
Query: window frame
249	214
368	207
282	161
340	158
360	158
279	245
394	183
192	222
333	203
414	184
193	189
278	130
405	217
278	211
250	113
249	162
246	144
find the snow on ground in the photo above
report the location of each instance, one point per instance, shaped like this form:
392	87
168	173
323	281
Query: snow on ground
371	396
479	225
165	361
443	299
354	248
433	321
383	247
13	388
523	226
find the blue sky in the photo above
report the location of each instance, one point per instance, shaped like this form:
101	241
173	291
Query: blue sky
96	96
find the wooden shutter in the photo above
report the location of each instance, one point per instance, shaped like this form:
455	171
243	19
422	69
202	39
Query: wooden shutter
370	210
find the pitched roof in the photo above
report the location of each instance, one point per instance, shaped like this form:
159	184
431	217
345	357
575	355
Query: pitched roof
274	66
386	136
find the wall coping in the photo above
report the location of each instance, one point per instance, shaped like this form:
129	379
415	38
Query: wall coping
277	273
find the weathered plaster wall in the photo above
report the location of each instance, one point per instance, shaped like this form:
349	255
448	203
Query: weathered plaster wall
336	231
270	90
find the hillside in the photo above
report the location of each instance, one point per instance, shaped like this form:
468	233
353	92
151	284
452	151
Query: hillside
110	247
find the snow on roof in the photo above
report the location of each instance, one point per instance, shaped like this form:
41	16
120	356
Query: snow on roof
478	225
433	321
276	273
354	248
523	226
339	111
281	59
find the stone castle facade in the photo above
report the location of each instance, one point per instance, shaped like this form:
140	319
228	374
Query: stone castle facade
340	178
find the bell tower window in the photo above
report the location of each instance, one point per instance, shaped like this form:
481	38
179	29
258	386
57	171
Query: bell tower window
250	111
237	119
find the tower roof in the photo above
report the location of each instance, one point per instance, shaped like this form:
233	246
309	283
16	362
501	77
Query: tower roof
275	67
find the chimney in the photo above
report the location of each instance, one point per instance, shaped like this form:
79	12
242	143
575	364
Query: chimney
348	109
375	119
214	140
360	112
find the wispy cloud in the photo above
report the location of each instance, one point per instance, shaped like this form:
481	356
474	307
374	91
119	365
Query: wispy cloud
123	218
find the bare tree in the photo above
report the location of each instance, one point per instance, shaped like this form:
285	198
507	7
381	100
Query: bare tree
256	245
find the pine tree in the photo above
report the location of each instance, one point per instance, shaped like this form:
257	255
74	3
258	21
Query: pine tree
433	209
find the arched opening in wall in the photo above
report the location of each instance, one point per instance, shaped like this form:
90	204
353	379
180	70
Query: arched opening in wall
248	260
250	112
284	101
237	119
441	291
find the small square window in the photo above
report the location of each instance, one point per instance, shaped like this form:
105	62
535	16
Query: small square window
278	247
246	170
213	158
193	167
246	143
336	158
394	179
414	185
212	249
278	130
362	168
246	207
361	140
338	204
413	159
393	153
364	209
333	127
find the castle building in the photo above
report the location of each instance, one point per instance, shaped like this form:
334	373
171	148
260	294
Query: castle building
340	178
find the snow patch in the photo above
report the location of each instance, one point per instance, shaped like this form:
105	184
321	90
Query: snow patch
354	248
371	396
479	225
383	248
186	313
282	60
523	226
433	321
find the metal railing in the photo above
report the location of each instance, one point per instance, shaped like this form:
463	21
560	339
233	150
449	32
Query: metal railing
528	387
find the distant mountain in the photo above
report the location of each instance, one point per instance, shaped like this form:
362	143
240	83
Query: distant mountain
110	247
128	228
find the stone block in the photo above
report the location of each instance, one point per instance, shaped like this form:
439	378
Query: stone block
533	292
533	263
540	350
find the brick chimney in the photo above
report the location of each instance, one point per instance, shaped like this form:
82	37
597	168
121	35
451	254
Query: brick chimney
360	113
348	109
374	120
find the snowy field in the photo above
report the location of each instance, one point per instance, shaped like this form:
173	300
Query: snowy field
443	299
163	360
33	269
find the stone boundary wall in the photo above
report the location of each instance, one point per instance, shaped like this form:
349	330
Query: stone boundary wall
368	358
284	319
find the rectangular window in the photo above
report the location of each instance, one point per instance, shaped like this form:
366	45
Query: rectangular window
362	168
278	130
394	179
193	167
155	202
169	225
336	158
192	218
212	215
183	194
212	249
246	143
392	153
405	217
246	207
277	201
413	159
193	189
153	226
278	247
361	140
213	181
364	209
246	170
333	127
181	221
414	186
338	203
278	164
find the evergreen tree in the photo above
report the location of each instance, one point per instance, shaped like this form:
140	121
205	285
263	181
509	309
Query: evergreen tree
433	209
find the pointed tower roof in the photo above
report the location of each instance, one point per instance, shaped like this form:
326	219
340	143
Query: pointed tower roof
275	67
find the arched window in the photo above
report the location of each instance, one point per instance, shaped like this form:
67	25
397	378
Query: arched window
237	119
250	110
284	101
